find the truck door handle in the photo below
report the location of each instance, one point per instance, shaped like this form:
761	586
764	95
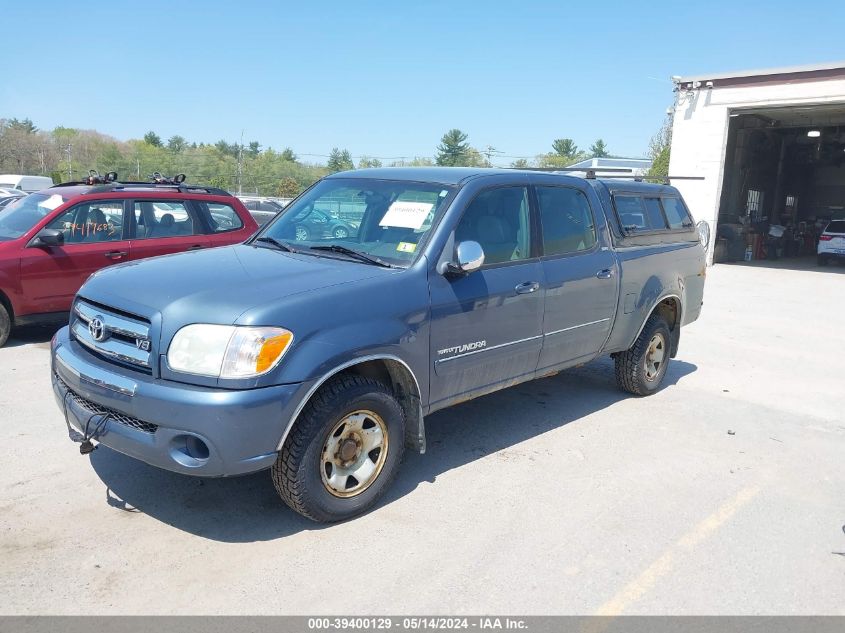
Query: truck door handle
116	254
527	288
195	247
607	273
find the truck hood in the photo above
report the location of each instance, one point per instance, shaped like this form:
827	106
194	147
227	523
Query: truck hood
217	285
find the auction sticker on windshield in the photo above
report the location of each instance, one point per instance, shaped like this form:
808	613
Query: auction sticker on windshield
407	215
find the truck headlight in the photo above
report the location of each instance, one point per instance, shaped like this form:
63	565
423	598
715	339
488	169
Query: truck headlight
227	351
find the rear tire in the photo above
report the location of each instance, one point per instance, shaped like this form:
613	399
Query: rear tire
640	370
343	452
5	325
822	260
302	234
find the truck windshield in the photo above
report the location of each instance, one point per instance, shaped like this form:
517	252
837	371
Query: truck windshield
387	220
19	216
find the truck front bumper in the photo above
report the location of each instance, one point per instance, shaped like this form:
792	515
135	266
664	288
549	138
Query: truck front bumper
178	427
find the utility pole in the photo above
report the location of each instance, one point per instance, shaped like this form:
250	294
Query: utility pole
488	152
240	162
69	151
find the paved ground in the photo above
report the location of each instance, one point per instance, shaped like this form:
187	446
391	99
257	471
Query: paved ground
560	496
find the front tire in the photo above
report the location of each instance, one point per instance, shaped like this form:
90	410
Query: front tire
640	370
343	452
341	232
5	325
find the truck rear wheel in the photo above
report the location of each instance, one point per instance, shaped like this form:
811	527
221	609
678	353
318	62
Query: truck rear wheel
5	325
640	369
343	452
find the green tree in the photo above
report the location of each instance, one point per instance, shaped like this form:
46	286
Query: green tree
520	163
366	161
288	188
151	138
23	125
565	147
454	149
340	160
176	144
288	155
599	149
254	149
229	149
660	149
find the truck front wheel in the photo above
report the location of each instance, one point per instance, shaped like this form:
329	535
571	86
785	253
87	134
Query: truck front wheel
640	369
5	325
344	450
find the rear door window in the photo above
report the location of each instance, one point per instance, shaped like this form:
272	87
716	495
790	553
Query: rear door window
219	216
160	218
676	214
566	219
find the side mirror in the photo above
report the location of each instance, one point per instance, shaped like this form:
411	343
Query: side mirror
48	237
469	257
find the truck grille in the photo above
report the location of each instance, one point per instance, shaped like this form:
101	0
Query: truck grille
95	409
113	335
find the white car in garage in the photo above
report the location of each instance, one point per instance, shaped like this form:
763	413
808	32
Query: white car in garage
832	242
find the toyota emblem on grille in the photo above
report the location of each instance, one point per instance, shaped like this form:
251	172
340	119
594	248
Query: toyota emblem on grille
97	329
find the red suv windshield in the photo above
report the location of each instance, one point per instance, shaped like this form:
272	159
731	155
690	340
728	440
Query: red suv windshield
21	215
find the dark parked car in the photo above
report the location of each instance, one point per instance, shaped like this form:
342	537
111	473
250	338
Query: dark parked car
313	223
319	359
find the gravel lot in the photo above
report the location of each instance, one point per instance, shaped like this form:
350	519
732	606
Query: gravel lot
723	493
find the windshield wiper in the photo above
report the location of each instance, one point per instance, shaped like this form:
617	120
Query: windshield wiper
284	246
336	248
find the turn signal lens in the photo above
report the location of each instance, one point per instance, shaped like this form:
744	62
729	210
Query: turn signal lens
255	350
228	351
271	351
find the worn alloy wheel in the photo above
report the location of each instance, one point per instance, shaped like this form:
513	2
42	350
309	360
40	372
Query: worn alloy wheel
654	357
354	453
343	451
640	370
5	325
341	232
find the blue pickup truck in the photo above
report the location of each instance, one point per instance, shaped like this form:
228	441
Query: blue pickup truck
319	358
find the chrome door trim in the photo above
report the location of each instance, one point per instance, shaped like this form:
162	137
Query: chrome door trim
575	327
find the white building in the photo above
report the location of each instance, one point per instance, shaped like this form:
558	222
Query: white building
770	145
637	166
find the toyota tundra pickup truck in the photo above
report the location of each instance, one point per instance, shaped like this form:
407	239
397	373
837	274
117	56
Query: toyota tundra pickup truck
318	358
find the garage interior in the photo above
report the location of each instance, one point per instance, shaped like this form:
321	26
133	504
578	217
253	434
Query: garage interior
784	180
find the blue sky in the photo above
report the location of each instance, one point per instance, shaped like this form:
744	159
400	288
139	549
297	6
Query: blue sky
388	79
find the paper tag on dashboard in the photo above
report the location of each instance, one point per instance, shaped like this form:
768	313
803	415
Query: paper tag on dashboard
53	202
407	215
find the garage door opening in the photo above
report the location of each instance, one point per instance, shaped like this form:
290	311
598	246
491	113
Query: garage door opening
784	181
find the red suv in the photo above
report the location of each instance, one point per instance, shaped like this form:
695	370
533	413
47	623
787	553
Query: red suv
51	241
